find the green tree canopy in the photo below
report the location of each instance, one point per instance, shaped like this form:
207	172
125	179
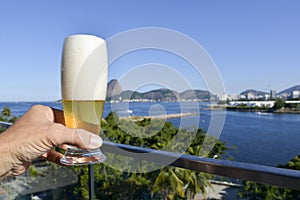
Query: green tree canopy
166	183
279	103
7	116
261	191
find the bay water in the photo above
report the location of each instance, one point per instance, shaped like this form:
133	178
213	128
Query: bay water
260	138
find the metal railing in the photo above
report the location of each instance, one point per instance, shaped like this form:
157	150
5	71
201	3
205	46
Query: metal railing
5	124
251	172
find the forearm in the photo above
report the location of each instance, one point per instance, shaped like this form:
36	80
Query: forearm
5	158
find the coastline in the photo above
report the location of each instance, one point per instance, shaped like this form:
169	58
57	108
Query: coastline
286	111
165	116
254	109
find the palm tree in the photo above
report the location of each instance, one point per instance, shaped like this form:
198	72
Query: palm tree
5	113
170	182
185	183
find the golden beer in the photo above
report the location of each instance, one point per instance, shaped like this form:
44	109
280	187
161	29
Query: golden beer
85	114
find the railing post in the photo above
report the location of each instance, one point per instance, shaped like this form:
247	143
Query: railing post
91	182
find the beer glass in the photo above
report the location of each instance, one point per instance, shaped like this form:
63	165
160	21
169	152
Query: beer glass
83	85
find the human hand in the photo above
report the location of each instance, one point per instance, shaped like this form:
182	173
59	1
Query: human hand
34	135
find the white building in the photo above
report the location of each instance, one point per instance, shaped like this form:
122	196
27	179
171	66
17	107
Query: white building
267	97
295	94
253	103
233	97
273	94
250	95
223	97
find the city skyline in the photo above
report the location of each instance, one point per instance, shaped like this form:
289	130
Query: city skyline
254	45
115	89
237	92
115	94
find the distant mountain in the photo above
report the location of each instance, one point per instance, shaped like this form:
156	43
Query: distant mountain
286	91
113	88
254	92
162	95
114	92
128	94
289	90
196	94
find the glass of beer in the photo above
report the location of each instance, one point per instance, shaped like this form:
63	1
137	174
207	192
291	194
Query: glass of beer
83	84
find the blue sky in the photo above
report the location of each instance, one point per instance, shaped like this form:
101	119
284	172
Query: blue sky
254	44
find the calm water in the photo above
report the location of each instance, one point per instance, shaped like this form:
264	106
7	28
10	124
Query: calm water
268	139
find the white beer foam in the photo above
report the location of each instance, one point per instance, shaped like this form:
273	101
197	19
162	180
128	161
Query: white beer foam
84	68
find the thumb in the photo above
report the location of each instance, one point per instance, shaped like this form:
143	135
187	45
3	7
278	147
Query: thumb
86	140
76	137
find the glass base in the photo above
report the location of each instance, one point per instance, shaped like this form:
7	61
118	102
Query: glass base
75	156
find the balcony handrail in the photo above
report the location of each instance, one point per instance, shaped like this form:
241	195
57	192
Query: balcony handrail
5	124
281	177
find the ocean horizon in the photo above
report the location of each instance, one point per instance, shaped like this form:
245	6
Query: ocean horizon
271	139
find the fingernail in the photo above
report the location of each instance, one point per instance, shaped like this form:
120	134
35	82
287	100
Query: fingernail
95	142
